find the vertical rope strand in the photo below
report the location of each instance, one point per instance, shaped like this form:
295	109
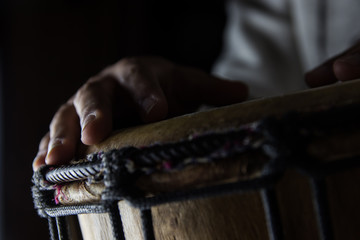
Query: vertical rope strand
116	223
321	207
62	228
272	213
52	228
147	224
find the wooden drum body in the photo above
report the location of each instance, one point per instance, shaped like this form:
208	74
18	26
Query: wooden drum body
277	168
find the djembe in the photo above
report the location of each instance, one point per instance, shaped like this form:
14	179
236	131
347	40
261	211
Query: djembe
284	167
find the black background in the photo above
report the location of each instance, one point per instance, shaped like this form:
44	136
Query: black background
49	48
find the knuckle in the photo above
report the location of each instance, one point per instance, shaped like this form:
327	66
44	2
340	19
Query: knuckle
129	61
64	109
101	83
130	68
92	94
86	90
83	90
62	112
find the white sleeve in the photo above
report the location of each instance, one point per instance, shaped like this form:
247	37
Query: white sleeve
259	48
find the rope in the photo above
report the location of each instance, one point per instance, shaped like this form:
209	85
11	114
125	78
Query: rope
164	157
147	224
62	228
52	228
57	211
74	172
116	223
272	212
321	207
120	168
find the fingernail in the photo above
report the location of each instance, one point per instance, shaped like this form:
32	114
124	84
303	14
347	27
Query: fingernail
351	59
148	104
89	118
53	144
39	159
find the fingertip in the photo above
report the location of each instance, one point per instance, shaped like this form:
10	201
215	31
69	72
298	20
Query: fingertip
52	156
86	120
61	151
320	76
39	160
97	128
347	67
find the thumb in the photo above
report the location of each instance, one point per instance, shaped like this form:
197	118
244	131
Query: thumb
321	75
348	66
343	67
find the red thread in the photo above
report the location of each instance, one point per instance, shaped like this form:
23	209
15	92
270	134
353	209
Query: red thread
58	193
167	165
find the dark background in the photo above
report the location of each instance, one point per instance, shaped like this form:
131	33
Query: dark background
49	48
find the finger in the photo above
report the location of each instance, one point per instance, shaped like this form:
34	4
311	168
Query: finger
343	67
39	160
347	67
64	135
204	88
322	75
93	104
142	84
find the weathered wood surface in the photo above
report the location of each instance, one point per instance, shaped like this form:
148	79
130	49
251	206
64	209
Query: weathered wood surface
232	116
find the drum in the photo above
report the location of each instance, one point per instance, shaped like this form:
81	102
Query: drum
284	167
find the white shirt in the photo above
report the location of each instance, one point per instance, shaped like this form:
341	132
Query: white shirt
270	44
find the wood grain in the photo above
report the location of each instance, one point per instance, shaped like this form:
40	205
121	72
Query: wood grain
232	116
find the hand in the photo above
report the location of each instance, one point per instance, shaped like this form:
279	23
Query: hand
147	88
343	67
